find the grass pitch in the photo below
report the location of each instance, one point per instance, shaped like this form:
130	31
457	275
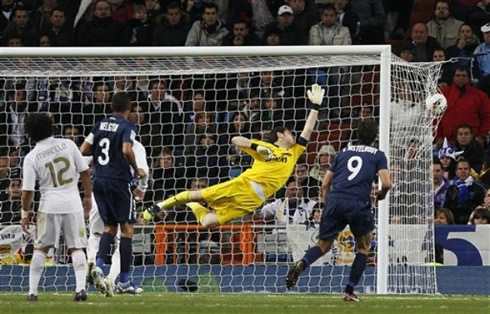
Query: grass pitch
54	303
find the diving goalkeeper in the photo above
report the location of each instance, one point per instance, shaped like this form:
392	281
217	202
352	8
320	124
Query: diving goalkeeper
242	195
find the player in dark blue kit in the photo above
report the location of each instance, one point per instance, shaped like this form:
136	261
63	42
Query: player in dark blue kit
111	145
348	202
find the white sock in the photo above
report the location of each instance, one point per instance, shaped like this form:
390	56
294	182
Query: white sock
93	247
35	271
115	265
80	266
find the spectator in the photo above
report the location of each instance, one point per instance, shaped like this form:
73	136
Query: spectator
323	161
407	55
329	31
241	36
305	16
14	40
102	30
480	216
464	194
440	183
206	158
125	84
293	208
60	33
138	29
421	44
167	177
191	10
447	157
272	37
444	28
236	160
6	9
4	174
486	200
485	173
444	217
284	26
140	120
173	29
465	104
310	185
261	14
16	112
73	133
21	26
480	15
99	107
316	214
464	46
165	116
481	66
41	17
372	19
471	148
349	18
203	123
45	40
122	11
11	207
210	31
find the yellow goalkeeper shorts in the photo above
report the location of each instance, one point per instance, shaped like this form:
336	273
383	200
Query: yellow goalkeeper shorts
232	199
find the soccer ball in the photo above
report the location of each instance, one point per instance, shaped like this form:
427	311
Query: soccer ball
436	104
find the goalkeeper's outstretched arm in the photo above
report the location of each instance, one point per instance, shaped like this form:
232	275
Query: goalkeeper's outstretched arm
244	143
315	95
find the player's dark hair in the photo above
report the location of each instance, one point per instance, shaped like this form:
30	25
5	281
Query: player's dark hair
273	133
121	102
367	132
39	126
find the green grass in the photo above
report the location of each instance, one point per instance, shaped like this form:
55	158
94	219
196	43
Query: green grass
53	303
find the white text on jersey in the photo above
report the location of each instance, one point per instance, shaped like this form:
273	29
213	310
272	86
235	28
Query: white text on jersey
362	149
106	126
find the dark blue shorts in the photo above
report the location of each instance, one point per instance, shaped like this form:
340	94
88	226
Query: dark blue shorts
339	212
114	200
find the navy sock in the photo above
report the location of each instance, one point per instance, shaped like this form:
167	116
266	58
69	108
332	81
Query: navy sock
106	240
126	250
312	255
356	271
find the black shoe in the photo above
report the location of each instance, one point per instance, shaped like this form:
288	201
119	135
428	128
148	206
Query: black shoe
294	273
32	297
351	297
80	296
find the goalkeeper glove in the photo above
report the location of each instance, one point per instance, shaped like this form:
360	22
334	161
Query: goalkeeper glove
263	151
150	212
315	95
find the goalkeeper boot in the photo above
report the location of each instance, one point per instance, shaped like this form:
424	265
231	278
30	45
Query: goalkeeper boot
351	297
128	287
294	273
80	296
109	287
98	279
150	212
32	297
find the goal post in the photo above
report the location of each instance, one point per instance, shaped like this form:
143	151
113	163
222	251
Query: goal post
356	78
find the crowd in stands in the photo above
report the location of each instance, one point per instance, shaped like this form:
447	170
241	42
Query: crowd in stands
186	123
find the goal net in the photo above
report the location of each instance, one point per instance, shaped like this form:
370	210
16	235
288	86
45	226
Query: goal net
187	105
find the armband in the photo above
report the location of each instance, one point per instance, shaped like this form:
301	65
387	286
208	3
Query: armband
24	214
315	107
253	146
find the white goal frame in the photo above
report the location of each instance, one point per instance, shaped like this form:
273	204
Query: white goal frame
384	51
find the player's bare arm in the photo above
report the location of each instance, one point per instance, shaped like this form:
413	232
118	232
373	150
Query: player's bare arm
26	199
128	152
87	192
385	177
315	95
326	183
86	148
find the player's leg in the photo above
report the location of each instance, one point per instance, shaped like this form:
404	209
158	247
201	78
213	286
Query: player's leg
115	261
363	244
180	199
322	247
96	228
203	215
47	232
126	253
73	227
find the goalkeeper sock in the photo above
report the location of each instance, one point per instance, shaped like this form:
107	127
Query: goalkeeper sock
80	267
311	256
106	240
199	211
35	271
126	252
356	271
179	199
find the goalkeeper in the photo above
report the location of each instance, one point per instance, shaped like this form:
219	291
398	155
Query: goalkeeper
240	196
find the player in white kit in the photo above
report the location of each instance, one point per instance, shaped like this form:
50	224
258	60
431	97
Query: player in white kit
56	164
96	225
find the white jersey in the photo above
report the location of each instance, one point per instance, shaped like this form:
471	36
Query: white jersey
56	164
140	158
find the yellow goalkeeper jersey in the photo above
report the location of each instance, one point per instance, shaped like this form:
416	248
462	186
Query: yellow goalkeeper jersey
272	173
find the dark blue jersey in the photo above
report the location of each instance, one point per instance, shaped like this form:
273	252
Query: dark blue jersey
108	138
355	169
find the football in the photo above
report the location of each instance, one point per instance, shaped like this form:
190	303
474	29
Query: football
436	104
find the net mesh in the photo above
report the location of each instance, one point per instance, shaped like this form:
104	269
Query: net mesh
187	110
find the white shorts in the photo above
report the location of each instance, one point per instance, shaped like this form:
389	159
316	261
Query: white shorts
50	226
